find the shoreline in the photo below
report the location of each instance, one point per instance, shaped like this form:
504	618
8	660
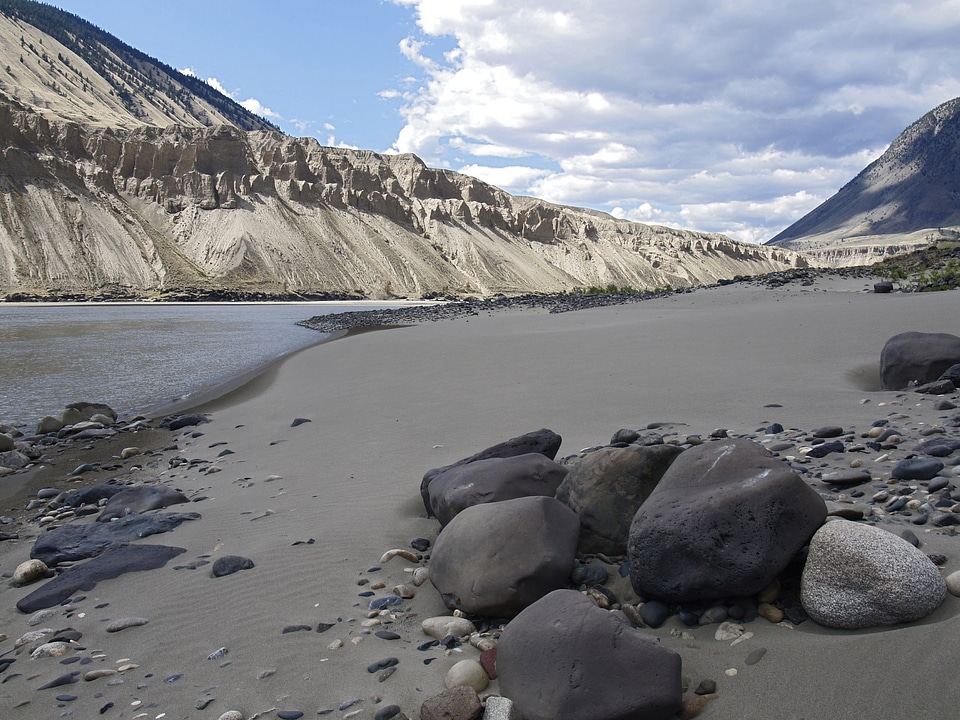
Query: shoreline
316	504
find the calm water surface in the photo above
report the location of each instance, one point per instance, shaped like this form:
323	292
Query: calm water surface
135	356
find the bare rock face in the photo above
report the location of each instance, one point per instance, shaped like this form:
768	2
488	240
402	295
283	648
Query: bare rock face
150	208
495	559
564	657
725	520
917	357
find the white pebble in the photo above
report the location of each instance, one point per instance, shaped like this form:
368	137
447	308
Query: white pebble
953	583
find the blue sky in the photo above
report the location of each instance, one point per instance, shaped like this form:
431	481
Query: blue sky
733	116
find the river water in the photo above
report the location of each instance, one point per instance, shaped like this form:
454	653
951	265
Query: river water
133	356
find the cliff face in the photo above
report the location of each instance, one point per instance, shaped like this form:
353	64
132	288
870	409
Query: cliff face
154	209
907	197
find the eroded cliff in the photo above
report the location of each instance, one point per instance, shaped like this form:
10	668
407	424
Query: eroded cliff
157	209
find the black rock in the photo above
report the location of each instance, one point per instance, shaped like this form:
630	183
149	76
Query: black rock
824	449
70	543
177	422
914	357
725	520
140	499
229	564
381	664
113	563
546	442
917	468
300	421
654	613
420	544
564	657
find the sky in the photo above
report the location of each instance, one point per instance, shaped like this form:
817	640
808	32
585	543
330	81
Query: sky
731	116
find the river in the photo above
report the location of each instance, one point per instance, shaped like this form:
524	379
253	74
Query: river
133	356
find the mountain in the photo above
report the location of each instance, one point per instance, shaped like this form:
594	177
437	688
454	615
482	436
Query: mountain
121	177
909	196
65	68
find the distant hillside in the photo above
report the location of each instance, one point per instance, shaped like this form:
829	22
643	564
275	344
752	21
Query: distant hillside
66	68
120	177
907	197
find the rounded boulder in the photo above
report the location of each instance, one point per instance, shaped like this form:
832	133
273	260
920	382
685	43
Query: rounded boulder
859	576
495	559
563	657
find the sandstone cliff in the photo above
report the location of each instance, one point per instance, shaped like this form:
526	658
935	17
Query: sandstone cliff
154	209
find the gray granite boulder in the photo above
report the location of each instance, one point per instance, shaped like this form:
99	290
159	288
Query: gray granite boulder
543	441
725	520
563	657
6	443
607	486
859	576
917	357
495	559
493	480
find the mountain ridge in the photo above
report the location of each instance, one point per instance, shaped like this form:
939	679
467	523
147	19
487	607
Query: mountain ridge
114	183
906	198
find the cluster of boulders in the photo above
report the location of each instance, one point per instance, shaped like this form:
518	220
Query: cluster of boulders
77	421
702	528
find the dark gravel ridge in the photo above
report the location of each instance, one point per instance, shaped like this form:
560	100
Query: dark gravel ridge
559	303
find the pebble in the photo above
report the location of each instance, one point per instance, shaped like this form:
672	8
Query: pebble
97	674
217	654
124	623
443	625
654	613
387	712
42	615
469	673
706	687
692	707
387	635
770	612
754	657
289	714
953	583
728	631
715	614
29	571
232	715
382	664
51	649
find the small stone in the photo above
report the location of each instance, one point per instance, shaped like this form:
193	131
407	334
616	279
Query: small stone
460	702
706	687
728	631
469	673
654	613
232	715
500	708
129	452
692	707
444	625
387	712
713	615
754	657
289	714
770	612
51	649
387	635
124	623
382	664
953	583
29	571
229	564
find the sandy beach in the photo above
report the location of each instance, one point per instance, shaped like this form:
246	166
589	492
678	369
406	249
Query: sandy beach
316	505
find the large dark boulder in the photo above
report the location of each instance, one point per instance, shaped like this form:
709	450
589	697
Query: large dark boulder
607	486
726	519
543	441
563	657
493	480
495	559
917	357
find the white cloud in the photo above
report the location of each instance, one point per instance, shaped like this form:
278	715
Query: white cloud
735	117
258	108
251	104
511	176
